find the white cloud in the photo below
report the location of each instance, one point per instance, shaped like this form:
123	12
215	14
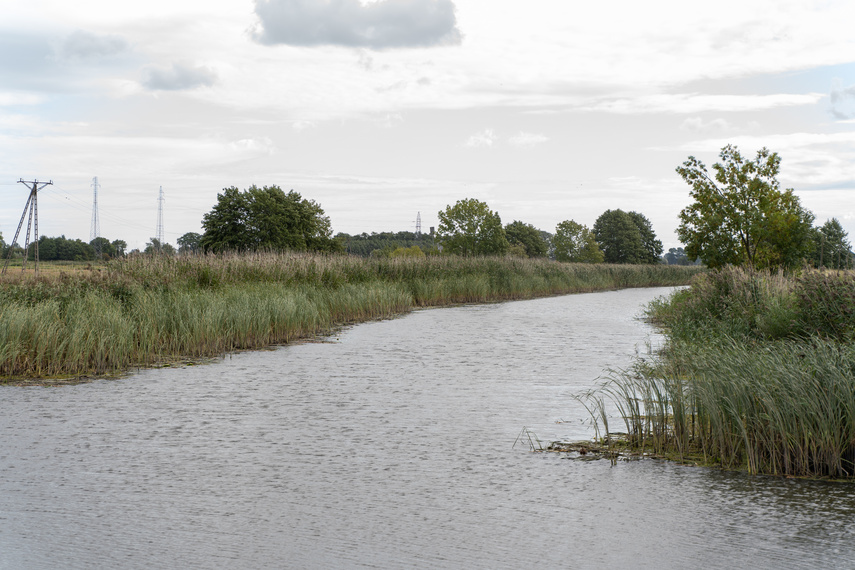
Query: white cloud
842	101
697	103
179	76
81	44
376	25
527	139
485	138
698	124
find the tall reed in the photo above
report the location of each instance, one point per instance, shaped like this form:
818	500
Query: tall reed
145	310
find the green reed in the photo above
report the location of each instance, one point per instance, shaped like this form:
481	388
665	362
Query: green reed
143	310
758	373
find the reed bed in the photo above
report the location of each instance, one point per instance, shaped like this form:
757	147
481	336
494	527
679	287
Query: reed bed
144	310
758	373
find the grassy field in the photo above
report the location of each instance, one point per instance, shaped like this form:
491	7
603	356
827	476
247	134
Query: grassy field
145	311
758	373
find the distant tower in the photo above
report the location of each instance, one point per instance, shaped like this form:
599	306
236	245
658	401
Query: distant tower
95	229
419	224
160	218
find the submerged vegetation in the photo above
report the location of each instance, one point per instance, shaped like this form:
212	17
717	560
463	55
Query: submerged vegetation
758	373
146	310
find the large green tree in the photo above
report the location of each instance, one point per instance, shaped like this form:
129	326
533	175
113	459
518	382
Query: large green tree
574	242
740	216
470	227
266	218
189	243
626	237
528	237
831	248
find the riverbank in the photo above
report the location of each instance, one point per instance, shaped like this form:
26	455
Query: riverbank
758	373
146	311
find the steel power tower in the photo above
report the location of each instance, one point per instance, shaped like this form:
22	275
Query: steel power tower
95	230
160	220
33	206
419	224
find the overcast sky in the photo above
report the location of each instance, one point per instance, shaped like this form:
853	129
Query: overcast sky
548	110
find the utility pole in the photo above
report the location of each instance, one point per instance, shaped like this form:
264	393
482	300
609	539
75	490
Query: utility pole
33	206
95	230
160	220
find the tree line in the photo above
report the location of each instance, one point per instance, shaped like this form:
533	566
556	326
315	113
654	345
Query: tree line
738	216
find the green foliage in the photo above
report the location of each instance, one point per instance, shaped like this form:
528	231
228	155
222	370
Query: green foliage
61	248
626	237
266	219
677	256
365	244
831	248
574	242
470	227
740	216
528	237
154	246
189	243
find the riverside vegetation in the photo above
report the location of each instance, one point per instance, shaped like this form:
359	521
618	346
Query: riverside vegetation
758	373
150	310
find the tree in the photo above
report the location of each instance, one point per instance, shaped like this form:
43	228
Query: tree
189	243
471	228
528	237
103	248
677	256
626	237
266	218
119	246
740	216
155	246
830	246
574	242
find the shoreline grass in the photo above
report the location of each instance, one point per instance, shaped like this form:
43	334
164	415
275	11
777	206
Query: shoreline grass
142	310
758	373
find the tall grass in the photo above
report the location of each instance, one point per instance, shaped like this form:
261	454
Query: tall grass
144	310
758	373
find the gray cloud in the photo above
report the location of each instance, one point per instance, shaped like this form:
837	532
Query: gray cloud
86	45
378	25
842	100
177	77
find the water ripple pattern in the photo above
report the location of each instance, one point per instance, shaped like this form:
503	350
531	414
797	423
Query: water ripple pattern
388	446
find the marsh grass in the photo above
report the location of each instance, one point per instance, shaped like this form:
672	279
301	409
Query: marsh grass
758	373
143	310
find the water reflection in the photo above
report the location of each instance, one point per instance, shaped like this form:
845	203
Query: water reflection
388	446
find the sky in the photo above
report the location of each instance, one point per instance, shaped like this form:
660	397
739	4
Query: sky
387	111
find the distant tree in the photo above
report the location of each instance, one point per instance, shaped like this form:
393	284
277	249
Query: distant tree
189	243
62	248
574	242
266	218
365	244
470	227
626	237
740	216
677	256
103	248
413	251
830	247
119	246
528	237
154	246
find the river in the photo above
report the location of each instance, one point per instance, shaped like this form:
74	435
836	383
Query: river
388	445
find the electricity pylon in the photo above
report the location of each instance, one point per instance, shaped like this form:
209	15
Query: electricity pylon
33	206
95	230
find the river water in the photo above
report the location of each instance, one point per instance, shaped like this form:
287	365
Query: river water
389	445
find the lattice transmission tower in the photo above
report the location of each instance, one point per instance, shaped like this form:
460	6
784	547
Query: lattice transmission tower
33	206
95	228
160	220
419	224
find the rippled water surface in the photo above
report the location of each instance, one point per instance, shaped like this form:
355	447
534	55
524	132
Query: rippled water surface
389	446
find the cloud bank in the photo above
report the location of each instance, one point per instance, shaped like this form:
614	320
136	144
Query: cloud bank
86	45
377	25
179	76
